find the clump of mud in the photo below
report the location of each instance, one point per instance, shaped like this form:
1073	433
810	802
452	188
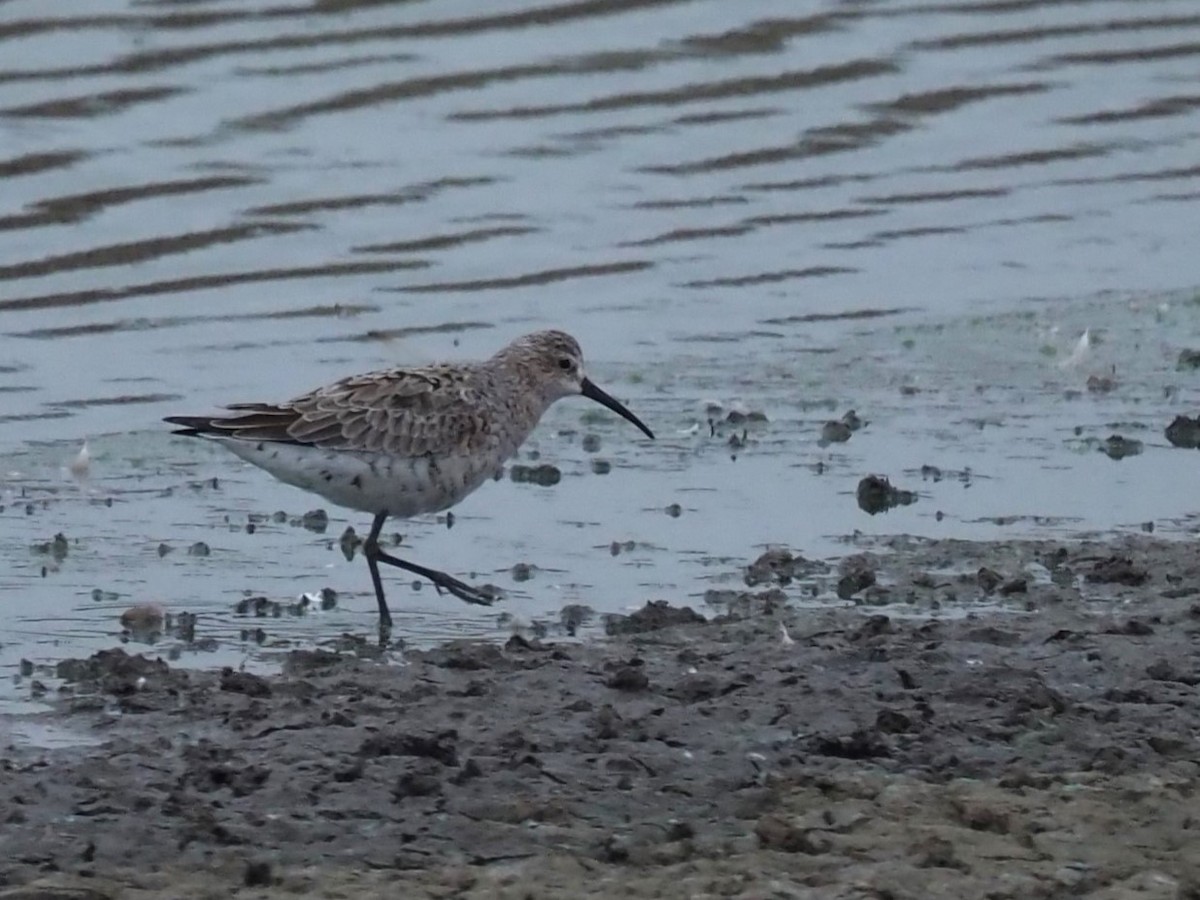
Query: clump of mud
1184	432
838	431
261	607
857	573
654	615
544	475
779	565
56	548
1119	447
876	494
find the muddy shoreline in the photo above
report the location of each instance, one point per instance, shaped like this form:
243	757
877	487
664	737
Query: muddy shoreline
1043	744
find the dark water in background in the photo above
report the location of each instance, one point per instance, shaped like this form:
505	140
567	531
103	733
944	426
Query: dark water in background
213	201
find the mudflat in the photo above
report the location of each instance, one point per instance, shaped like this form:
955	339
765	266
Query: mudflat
1001	719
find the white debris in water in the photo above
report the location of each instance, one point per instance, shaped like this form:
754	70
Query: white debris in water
311	601
787	638
82	463
1081	352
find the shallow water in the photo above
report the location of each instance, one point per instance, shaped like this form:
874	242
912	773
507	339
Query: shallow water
206	202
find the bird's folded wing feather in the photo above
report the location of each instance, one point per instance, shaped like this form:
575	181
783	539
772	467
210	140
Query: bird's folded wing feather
400	412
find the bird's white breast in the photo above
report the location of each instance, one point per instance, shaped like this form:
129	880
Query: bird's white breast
373	482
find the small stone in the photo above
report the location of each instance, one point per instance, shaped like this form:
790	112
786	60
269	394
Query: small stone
417	784
470	770
143	619
349	542
315	520
873	627
573	616
259	607
244	683
1161	670
776	833
1170	746
1188	359
1184	432
57	548
835	432
1117	570
1101	384
988	579
628	678
606	723
544	475
441	747
1133	628
892	721
654	615
257	874
935	852
1119	447
876	494
775	565
694	688
185	627
680	831
744	416
857	574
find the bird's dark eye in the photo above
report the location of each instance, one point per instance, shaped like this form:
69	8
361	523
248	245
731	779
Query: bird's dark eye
566	364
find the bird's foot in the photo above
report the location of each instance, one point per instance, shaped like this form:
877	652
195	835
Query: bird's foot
443	582
477	596
385	632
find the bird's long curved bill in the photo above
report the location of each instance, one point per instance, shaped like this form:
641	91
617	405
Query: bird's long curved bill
589	390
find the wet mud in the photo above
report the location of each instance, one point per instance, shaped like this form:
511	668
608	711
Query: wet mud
1035	741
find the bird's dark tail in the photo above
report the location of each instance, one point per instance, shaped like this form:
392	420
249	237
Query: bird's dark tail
193	426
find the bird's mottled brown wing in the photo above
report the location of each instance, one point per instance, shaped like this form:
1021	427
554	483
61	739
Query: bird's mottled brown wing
403	412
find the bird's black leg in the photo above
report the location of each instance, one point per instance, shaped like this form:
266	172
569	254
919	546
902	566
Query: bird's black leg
441	580
371	551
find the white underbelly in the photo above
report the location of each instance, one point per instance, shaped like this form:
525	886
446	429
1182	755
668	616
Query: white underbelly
372	483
